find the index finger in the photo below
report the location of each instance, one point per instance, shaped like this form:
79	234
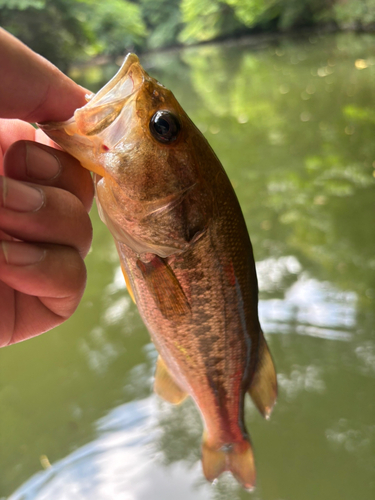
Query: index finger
31	88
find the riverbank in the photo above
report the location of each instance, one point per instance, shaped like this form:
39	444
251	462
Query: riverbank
257	41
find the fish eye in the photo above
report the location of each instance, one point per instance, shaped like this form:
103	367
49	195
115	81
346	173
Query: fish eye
165	126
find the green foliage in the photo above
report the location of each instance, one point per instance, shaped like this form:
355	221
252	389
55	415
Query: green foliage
22	4
163	21
250	12
115	25
69	31
206	19
51	28
209	19
353	13
301	12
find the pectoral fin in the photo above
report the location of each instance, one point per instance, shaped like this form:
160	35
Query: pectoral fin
165	386
263	388
164	288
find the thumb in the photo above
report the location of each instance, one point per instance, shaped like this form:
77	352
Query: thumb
31	88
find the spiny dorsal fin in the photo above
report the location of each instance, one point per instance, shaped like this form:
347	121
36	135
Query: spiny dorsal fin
165	386
164	288
263	388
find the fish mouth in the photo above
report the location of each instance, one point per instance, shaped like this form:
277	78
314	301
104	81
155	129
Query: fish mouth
102	124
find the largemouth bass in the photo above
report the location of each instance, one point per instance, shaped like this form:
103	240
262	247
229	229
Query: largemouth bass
185	254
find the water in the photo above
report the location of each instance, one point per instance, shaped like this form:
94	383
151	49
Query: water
293	123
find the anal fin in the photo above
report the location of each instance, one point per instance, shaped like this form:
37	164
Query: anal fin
164	288
263	387
165	386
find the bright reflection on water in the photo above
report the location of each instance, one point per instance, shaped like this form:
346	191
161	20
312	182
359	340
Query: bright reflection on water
294	125
122	463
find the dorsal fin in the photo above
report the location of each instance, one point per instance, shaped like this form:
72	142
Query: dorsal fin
165	385
263	387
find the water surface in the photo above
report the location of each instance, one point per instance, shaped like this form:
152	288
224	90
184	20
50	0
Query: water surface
294	124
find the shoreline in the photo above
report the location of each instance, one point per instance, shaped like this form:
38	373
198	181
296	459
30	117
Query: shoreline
256	40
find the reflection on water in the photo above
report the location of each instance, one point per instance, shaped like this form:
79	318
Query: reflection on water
294	125
316	308
121	463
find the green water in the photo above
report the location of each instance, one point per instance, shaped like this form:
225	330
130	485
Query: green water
294	125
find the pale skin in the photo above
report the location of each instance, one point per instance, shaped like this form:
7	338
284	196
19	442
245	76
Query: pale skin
45	196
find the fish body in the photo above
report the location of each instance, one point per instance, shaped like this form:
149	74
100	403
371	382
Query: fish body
185	253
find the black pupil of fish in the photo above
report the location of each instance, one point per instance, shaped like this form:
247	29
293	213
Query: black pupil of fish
164	126
161	126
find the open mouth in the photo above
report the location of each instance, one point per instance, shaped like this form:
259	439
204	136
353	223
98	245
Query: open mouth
104	107
100	125
107	105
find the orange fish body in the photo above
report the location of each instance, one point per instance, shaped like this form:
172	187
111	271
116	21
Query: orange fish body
185	253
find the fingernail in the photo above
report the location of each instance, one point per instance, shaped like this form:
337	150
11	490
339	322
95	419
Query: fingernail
19	196
22	254
40	164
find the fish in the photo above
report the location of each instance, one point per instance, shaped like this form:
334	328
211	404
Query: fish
185	253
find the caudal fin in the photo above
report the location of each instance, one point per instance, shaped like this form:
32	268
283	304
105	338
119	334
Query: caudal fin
237	458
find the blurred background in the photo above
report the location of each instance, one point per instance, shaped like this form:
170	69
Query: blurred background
71	31
284	92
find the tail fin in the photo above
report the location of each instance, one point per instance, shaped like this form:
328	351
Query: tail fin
237	458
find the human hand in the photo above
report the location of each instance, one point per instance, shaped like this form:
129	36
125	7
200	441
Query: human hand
45	196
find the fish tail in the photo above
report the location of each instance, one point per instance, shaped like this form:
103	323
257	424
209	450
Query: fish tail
241	464
238	458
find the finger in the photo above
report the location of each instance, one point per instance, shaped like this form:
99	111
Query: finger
44	215
40	164
12	130
32	89
48	281
43	138
16	130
